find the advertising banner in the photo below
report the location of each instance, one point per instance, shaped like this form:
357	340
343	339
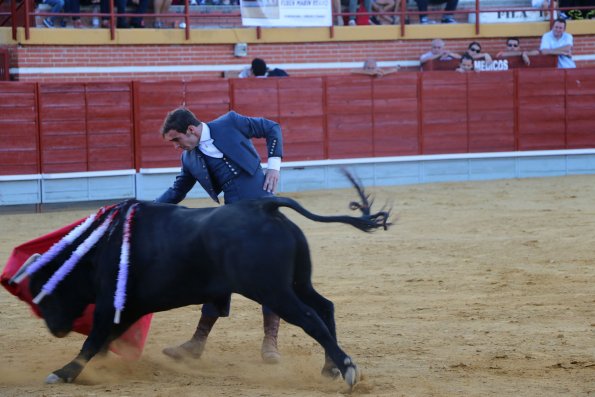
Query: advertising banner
286	13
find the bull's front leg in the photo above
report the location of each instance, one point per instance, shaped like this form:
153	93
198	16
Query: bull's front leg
69	372
97	341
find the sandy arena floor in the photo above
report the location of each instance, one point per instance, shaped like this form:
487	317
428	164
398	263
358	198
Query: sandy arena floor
479	289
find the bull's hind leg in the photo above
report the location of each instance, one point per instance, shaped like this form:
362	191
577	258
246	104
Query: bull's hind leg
294	311
326	311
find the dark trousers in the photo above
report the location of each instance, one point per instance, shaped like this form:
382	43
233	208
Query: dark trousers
422	5
120	5
72	7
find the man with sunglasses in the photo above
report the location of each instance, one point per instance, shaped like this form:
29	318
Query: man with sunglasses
474	51
513	49
558	42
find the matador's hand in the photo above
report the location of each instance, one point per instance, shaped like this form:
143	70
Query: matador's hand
271	179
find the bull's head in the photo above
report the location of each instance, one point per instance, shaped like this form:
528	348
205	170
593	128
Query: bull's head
68	301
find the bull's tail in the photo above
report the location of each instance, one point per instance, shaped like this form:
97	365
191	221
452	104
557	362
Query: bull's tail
367	221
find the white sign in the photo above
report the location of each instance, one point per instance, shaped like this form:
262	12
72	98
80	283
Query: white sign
286	13
499	64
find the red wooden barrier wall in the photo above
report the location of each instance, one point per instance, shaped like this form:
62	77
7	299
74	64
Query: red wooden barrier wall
85	127
94	126
18	129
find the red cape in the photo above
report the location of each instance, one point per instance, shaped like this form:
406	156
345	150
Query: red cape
129	345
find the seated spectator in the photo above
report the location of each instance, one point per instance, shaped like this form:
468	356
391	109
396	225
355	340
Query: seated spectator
73	7
371	68
160	7
259	69
338	9
543	5
438	51
353	6
513	48
122	22
57	7
474	51
558	42
466	64
451	5
385	6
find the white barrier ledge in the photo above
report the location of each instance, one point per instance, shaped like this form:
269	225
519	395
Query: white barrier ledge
11	178
88	174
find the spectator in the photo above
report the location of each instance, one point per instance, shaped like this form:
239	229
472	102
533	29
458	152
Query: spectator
451	5
385	6
438	51
160	7
259	69
543	5
513	48
338	9
558	42
466	64
353	6
474	51
57	7
73	7
122	22
371	68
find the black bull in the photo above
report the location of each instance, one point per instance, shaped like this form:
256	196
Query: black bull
181	256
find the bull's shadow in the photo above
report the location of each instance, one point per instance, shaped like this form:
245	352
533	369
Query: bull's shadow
137	258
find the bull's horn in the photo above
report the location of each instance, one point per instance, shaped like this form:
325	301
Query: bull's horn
22	272
39	297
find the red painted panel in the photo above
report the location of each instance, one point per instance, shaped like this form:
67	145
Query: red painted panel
159	157
350	135
256	97
301	97
18	113
60	142
17	128
395	115
13	87
303	138
541	109
114	158
63	128
580	81
114	140
540	82
120	127
444	112
349	95
491	112
18	119
18	99
64	156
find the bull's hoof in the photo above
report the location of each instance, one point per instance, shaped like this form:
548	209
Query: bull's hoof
352	373
53	379
191	349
